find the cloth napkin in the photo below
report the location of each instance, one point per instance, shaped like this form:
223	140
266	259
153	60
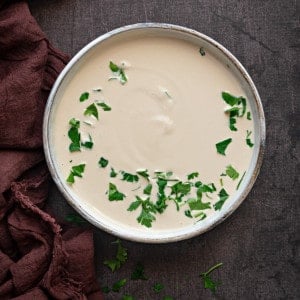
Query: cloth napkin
38	259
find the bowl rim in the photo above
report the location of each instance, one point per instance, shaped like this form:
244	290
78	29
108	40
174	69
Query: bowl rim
170	237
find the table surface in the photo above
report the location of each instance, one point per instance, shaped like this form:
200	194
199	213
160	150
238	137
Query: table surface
259	243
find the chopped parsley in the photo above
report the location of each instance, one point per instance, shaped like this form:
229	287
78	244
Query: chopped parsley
192	175
105	289
143	173
202	51
248	140
148	189
84	97
74	135
222	146
188	213
231	172
249	116
114	194
104	106
127	297
103	162
113	173
158	287
75	219
121	257
75	171
138	273
148	211
223	196
91	110
88	144
118	285
118	73
238	108
207	281
129	177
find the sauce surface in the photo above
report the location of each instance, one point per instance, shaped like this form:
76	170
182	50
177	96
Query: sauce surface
168	116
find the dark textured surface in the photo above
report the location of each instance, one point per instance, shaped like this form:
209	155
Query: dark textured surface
259	243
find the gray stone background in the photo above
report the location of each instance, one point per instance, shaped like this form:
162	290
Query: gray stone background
259	243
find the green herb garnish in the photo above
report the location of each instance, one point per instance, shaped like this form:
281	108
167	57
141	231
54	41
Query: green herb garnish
118	285
188	213
168	298
91	110
207	281
148	211
249	116
223	196
84	97
114	194
138	273
75	171
158	287
248	140
129	177
74	135
148	189
231	172
121	257
202	51
143	173
75	219
103	162
238	185
222	146
113	173
88	144
105	289
192	175
238	108
104	106
118	73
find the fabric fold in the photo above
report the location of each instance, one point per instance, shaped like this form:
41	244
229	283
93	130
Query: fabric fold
38	258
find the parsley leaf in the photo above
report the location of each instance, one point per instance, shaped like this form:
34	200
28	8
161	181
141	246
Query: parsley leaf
168	298
114	194
202	51
232	120
113	173
192	175
230	99
103	162
188	213
138	273
248	140
75	219
118	285
231	172
207	281
222	146
84	96
249	116
223	196
91	110
105	289
129	177
75	171
104	106
158	287
146	216
118	73
74	135
148	189
88	144
121	257
144	173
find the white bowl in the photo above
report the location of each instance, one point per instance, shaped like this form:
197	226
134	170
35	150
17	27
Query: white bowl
254	101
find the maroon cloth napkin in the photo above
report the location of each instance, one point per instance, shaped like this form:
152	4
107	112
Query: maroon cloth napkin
38	260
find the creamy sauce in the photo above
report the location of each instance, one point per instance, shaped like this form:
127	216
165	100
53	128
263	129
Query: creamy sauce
167	117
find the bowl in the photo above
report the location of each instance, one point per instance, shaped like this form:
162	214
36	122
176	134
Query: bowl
61	101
